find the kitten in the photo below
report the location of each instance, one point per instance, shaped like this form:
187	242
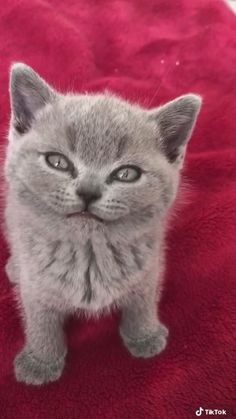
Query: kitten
90	180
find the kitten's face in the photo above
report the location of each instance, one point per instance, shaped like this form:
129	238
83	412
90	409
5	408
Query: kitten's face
89	156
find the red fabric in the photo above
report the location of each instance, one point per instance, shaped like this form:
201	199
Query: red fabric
147	51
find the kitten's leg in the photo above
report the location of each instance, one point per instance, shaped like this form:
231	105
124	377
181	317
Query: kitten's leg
11	271
42	358
142	333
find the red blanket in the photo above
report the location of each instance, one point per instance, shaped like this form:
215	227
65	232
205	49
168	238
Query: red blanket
147	51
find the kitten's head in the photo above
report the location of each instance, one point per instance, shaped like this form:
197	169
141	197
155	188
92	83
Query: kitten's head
94	154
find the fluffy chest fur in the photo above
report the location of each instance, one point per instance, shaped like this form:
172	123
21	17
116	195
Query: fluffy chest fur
89	271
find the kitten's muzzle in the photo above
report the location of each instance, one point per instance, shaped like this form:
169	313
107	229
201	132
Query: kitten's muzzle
86	215
87	196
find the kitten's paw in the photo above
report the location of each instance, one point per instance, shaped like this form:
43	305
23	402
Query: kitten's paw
32	370
11	271
147	346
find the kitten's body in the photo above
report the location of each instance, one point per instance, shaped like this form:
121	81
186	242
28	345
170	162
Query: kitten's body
63	261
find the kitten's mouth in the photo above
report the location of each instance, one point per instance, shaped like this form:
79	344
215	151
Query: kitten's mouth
86	215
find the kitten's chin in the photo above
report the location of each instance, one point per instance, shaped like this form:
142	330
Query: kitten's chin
85	216
107	216
96	214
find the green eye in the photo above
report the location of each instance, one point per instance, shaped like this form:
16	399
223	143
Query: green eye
57	161
126	174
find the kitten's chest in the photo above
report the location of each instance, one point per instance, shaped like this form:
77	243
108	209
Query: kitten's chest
90	275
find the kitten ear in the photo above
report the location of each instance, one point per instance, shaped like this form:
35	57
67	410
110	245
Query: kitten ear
28	94
175	122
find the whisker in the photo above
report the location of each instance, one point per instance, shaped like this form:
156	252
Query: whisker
160	85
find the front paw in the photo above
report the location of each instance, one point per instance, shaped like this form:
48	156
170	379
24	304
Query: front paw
31	370
149	345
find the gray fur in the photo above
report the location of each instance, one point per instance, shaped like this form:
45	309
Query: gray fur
121	146
117	257
136	255
11	271
64	264
88	292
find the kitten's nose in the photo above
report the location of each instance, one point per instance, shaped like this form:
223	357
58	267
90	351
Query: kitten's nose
88	196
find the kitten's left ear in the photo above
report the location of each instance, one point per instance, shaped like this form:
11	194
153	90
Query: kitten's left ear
175	123
28	93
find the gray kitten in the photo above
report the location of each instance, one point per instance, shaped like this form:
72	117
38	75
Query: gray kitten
90	181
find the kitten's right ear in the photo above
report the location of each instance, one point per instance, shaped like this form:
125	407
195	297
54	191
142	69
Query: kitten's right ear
28	94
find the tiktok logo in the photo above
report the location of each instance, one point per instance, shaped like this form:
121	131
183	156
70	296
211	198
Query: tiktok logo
206	412
200	411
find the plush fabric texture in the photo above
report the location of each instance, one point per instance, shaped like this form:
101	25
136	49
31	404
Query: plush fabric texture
148	52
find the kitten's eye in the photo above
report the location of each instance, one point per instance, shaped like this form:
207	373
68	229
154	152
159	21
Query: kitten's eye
57	161
126	174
